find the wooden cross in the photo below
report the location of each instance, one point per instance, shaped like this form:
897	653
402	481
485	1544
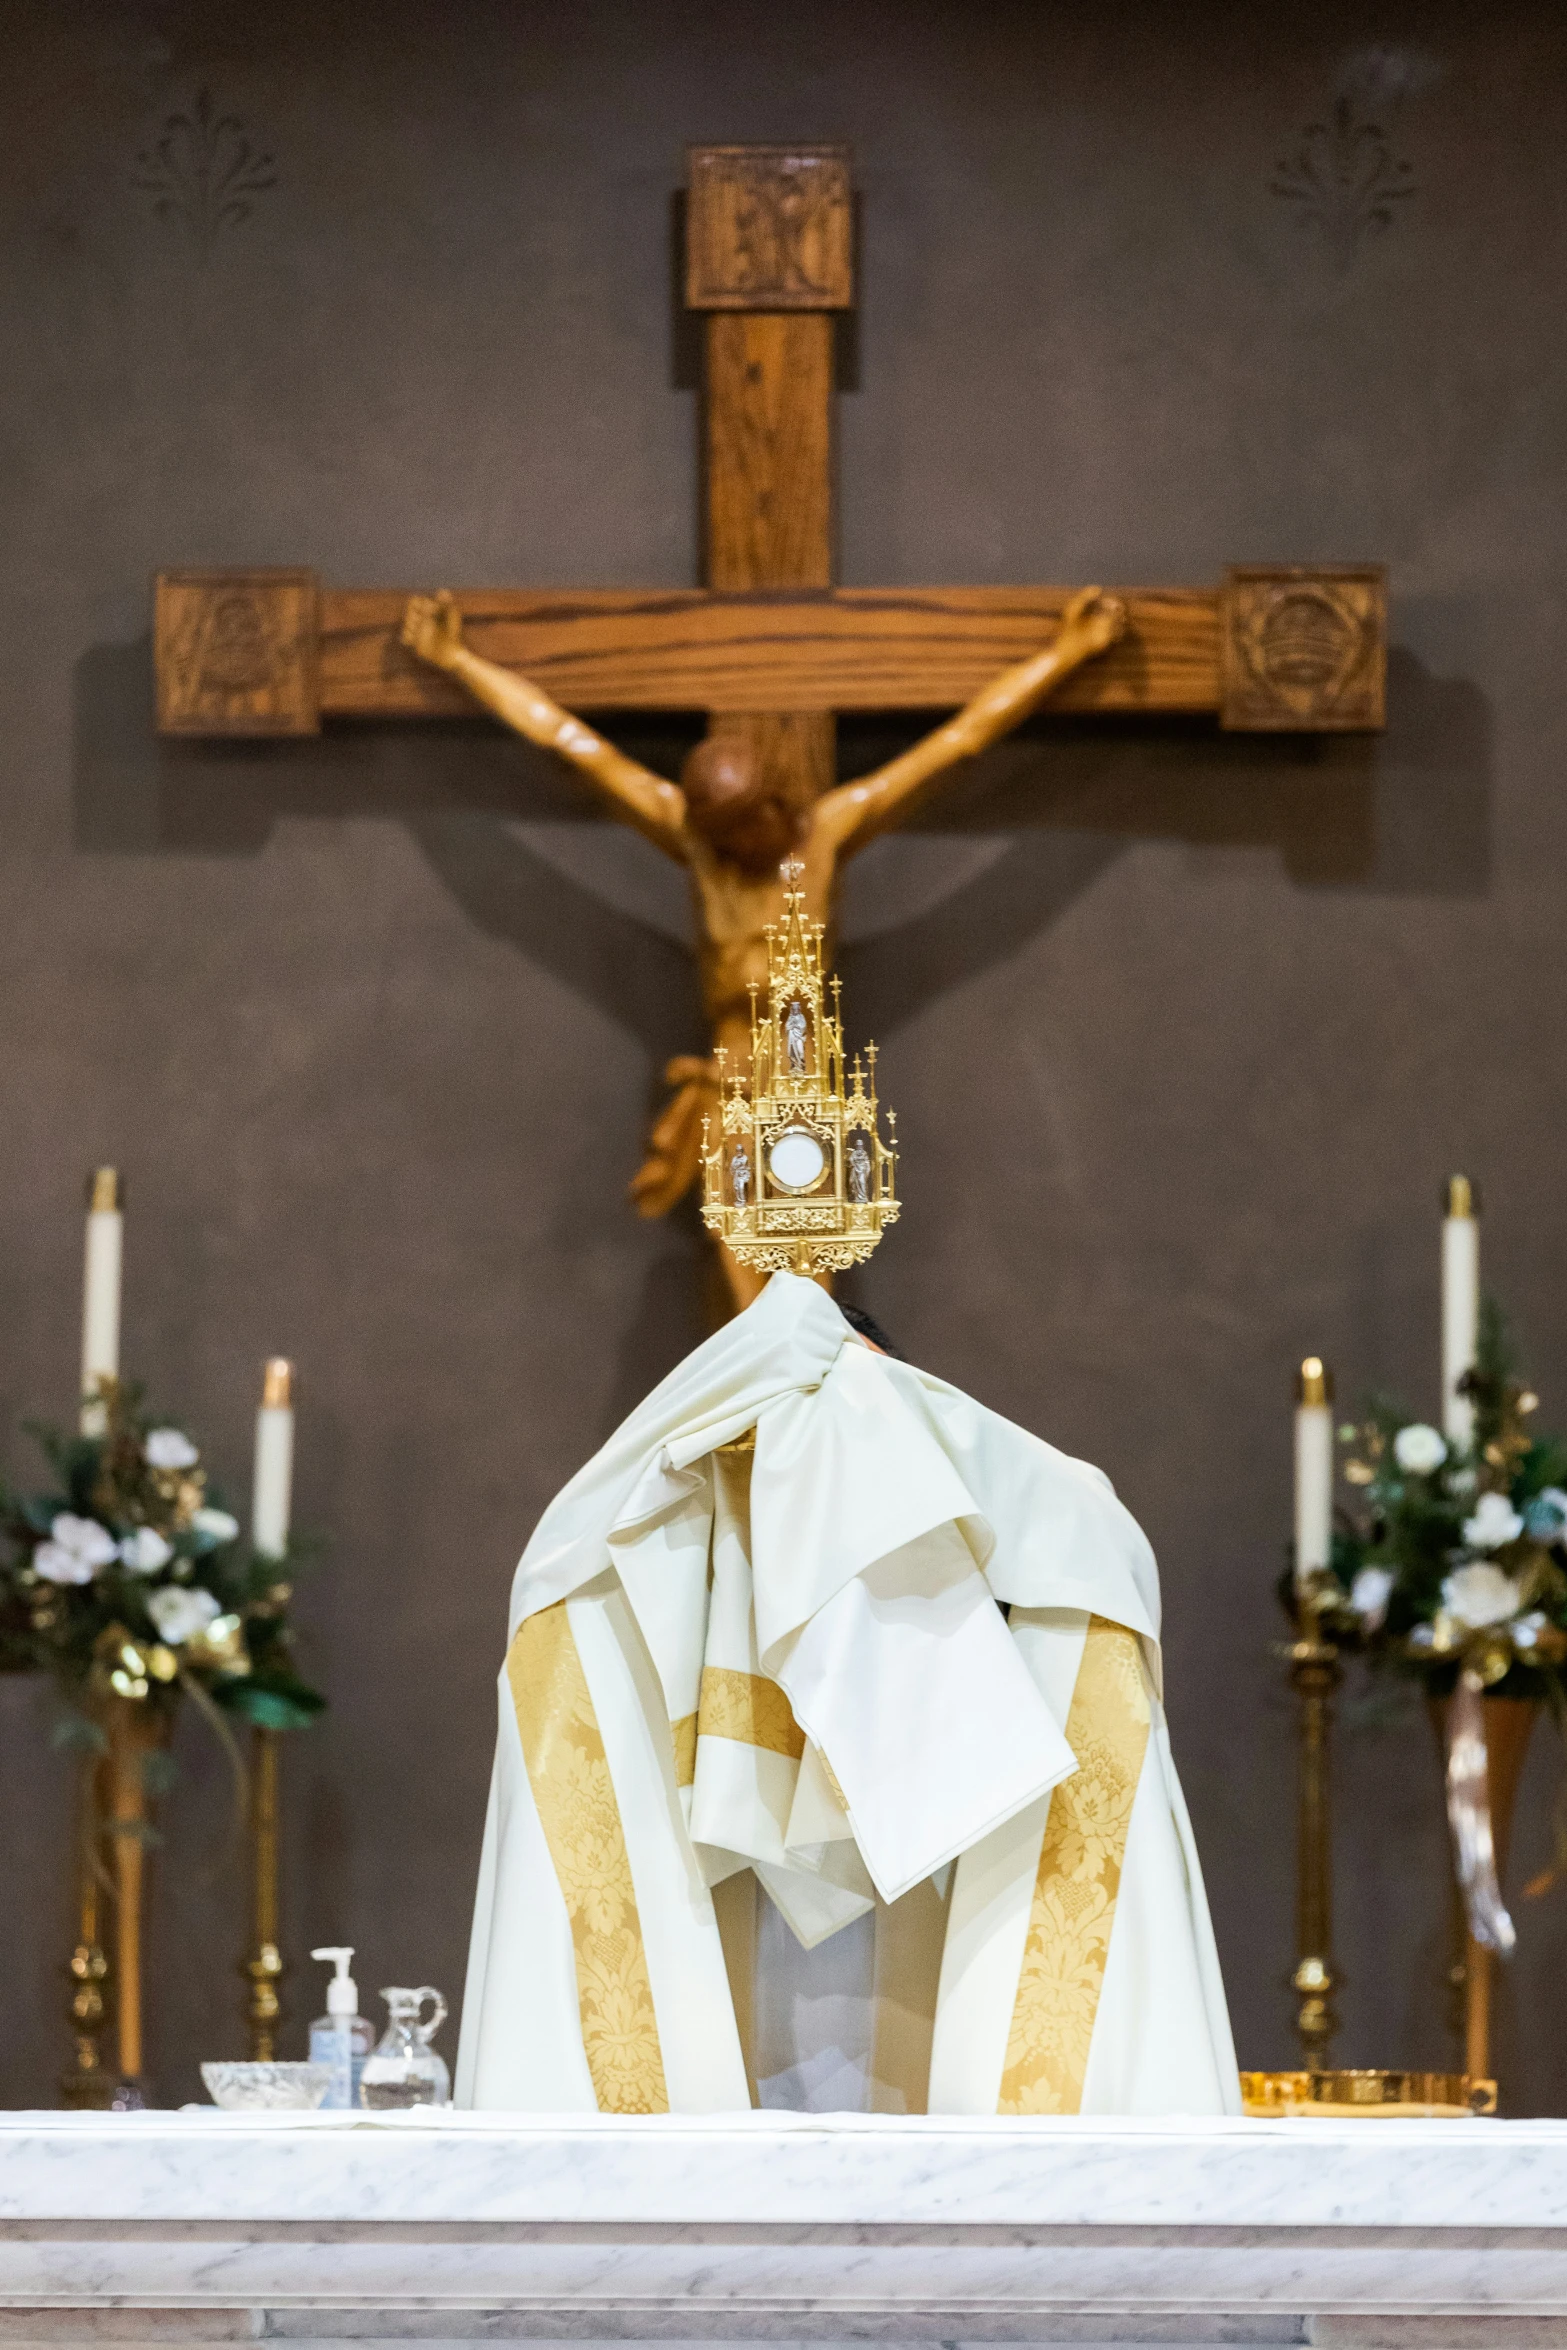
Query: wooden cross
769	645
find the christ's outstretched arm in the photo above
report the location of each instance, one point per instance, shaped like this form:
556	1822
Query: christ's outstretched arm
432	628
853	813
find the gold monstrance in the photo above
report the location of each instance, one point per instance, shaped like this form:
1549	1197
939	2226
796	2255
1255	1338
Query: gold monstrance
798	1178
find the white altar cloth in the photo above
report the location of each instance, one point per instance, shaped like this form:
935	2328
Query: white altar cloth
204	2227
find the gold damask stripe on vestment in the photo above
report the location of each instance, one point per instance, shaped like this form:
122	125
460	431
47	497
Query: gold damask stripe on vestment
750	1709
575	1798
683	1734
1078	1879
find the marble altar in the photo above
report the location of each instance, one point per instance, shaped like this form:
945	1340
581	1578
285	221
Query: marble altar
202	2227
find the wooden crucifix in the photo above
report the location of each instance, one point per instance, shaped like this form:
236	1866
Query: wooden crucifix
768	647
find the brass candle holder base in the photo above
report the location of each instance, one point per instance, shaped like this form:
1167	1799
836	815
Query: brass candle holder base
263	1967
89	2084
1369	2095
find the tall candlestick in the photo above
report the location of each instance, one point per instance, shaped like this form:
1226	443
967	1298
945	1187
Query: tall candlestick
101	1294
263	1967
274	1475
1315	1672
270	1501
1313	1470
1460	1303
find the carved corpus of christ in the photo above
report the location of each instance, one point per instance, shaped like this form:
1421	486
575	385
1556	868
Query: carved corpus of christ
731	824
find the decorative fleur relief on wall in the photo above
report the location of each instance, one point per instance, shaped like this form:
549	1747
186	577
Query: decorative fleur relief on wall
1346	183
205	171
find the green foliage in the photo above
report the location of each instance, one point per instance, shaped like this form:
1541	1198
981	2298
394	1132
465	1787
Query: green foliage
277	1703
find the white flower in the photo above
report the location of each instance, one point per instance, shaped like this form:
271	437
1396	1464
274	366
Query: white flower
145	1551
1462	1481
1495	1521
1480	1595
1526	1631
166	1448
216	1525
78	1548
1369	1594
1546	1516
90	1541
1419	1448
180	1614
59	1565
56	1564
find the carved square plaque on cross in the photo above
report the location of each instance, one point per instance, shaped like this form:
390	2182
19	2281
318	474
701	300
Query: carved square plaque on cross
769	228
237	652
1304	649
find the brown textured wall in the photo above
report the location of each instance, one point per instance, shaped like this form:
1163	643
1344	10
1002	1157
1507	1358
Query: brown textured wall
1182	1032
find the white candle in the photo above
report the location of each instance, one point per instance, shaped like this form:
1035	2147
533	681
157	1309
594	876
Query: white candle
274	1477
1460	1304
1313	1470
101	1294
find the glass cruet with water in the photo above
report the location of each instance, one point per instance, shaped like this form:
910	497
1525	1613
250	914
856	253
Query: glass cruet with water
403	2069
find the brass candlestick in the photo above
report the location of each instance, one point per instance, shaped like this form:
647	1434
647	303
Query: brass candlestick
136	1732
1315	1674
88	2085
263	1969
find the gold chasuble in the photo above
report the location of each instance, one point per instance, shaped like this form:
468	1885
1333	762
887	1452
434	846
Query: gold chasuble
815	1616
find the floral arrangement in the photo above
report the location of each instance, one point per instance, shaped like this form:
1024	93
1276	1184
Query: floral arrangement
128	1578
1456	1561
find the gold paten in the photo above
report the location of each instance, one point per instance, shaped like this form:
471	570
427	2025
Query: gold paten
798	1177
1368	2095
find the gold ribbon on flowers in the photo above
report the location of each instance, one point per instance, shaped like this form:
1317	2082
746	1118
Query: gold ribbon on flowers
1079	1879
1469	1819
574	1795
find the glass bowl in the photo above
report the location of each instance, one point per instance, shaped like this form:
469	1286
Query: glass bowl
266	2088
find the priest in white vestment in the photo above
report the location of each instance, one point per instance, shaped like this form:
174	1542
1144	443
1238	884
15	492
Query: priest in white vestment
815	1614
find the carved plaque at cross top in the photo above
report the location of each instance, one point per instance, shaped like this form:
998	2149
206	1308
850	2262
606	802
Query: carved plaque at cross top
770	644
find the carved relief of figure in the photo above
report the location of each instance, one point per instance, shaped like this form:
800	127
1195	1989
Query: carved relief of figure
236	659
731	823
792	220
740	1174
794	1038
859	1171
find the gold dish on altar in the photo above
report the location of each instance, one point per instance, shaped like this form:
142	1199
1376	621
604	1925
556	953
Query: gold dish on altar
1369	2095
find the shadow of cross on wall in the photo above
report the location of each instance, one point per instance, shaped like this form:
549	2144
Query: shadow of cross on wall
1031	826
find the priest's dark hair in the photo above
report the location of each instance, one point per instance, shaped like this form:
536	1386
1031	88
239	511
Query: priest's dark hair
867	1326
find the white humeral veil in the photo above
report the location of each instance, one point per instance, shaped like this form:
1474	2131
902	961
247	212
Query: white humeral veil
760	1629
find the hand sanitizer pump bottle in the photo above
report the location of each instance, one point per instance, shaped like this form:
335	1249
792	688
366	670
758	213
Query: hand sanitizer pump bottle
342	2038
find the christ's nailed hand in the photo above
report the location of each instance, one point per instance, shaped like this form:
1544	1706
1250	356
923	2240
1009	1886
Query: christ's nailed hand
432	628
1092	621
